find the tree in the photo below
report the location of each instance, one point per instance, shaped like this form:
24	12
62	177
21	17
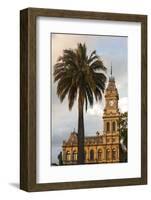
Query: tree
123	127
80	77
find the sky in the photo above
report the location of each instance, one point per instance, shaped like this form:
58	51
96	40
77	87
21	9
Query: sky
111	49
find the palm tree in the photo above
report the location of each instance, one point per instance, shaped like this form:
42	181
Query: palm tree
80	77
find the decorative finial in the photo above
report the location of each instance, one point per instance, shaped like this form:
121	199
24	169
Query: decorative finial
111	78
111	68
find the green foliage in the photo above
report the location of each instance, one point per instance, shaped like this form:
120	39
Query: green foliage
123	124
123	127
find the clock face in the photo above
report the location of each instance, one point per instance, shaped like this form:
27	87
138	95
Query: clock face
111	102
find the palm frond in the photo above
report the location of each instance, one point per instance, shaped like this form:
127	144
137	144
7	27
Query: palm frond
89	94
72	96
75	72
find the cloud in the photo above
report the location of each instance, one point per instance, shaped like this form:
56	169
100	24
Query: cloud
95	110
123	104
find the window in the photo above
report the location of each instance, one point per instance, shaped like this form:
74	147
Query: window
74	155
84	155
108	154
91	155
113	127
68	156
107	126
101	140
113	154
114	140
99	154
108	140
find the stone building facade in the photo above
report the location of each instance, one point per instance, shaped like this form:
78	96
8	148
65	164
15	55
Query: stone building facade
102	147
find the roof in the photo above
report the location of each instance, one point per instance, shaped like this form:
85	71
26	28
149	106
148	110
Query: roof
72	140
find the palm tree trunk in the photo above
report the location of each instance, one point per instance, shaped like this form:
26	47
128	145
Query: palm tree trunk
80	130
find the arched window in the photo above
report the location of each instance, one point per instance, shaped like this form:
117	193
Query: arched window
74	155
68	156
113	127
84	155
99	154
91	154
114	154
108	154
107	126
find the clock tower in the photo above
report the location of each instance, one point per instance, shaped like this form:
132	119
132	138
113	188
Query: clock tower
111	120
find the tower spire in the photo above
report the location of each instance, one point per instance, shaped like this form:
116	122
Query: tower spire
111	77
111	69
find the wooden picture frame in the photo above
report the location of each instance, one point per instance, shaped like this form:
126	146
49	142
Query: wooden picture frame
28	99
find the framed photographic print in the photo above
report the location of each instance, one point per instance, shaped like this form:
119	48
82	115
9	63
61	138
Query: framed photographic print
83	109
